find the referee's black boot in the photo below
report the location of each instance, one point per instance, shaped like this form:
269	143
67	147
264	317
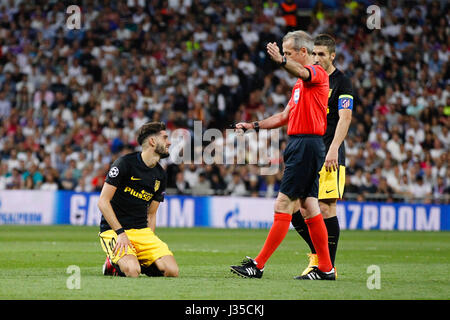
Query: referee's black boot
316	274
248	269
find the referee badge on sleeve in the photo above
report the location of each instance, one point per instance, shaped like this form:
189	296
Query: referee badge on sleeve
296	95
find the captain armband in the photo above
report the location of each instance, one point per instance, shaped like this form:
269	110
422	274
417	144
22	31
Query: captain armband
345	101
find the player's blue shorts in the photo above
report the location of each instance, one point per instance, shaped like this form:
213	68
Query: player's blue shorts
303	158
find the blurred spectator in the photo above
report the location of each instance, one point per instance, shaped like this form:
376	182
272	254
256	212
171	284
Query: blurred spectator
4	173
28	183
420	190
413	146
289	12
236	187
367	185
13	161
414	108
5	106
394	147
192	175
181	185
440	190
36	176
84	184
15	180
217	184
202	186
384	190
49	183
444	137
253	186
68	182
98	180
350	187
269	186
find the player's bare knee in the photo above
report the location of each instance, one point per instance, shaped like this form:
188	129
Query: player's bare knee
132	271
324	209
130	267
328	208
168	266
296	206
171	271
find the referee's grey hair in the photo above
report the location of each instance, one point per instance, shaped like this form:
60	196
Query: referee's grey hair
301	40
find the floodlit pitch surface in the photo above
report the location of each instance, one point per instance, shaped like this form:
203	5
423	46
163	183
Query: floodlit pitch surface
35	264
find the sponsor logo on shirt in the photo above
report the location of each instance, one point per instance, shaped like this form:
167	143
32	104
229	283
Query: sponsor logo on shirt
144	195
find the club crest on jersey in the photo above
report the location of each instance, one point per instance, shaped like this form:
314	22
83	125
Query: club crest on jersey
345	103
296	95
157	183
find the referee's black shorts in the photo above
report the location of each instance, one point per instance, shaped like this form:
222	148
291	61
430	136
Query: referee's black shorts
303	158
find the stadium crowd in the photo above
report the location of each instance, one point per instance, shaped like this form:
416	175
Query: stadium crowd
71	100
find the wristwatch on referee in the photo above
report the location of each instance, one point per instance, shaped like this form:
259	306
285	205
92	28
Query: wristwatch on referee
283	61
256	126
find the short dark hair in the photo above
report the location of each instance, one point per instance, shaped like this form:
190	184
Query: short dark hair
327	41
149	129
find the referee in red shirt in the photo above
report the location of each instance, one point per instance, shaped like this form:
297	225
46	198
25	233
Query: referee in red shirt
306	117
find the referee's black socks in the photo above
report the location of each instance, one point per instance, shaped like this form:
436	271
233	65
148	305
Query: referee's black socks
333	230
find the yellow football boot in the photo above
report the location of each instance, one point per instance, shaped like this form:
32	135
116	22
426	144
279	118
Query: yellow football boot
313	262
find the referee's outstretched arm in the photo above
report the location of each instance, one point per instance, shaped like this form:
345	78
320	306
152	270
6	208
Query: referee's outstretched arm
290	65
277	120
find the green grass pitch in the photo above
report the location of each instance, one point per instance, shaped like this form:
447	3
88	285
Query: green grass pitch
413	265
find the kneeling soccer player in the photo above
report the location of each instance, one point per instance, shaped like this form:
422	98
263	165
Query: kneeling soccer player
128	202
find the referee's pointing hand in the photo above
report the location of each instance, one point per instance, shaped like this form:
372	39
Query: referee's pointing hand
244	125
274	52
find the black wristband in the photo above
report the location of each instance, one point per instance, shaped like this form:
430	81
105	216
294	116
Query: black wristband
256	126
283	61
119	231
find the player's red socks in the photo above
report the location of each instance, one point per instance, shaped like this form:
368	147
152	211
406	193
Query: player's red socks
276	235
319	237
